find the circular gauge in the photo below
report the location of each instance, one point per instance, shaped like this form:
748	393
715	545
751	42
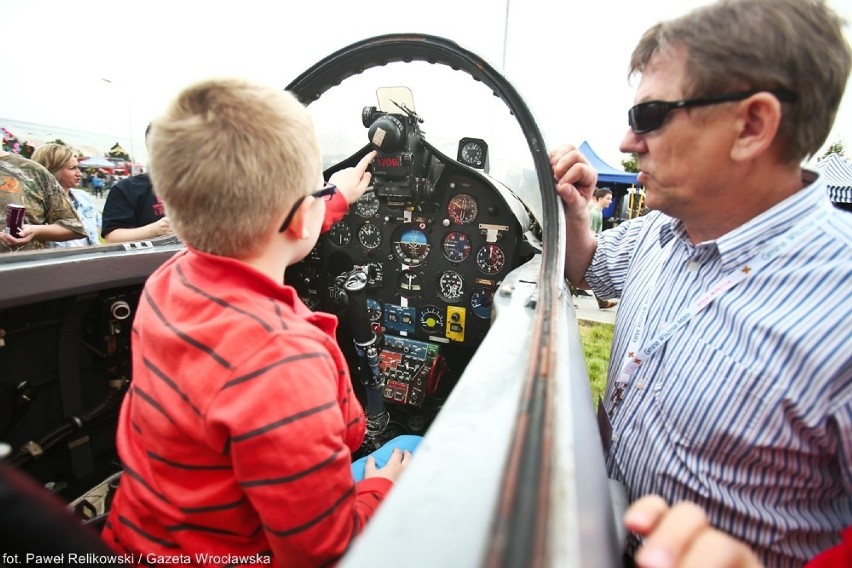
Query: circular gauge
411	247
480	301
463	209
370	236
374	309
367	205
472	154
450	286
305	278
409	284
340	234
456	246
375	274
430	319
490	259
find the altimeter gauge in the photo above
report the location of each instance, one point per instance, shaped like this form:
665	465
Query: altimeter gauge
370	236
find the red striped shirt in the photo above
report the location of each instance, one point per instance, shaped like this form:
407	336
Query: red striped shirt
237	434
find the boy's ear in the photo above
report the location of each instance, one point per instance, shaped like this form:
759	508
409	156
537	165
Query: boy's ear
298	228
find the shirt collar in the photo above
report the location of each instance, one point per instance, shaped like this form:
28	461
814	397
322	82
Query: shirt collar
242	276
737	245
670	230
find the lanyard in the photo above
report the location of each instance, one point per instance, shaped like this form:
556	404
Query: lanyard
638	352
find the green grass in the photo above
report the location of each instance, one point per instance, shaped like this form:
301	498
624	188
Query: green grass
597	340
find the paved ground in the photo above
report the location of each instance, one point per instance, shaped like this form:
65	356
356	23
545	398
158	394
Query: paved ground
588	310
99	202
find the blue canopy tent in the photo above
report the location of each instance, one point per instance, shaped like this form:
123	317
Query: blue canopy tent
606	173
617	180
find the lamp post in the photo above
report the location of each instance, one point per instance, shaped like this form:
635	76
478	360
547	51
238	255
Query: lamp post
129	116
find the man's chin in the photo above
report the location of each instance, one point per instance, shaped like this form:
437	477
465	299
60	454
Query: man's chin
650	202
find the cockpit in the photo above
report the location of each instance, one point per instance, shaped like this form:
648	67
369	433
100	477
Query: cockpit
414	265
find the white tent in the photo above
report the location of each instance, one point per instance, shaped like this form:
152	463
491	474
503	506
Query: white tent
97	162
837	172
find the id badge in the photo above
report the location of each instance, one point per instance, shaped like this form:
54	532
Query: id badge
604	426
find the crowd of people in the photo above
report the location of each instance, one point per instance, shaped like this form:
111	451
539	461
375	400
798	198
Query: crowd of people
727	414
55	219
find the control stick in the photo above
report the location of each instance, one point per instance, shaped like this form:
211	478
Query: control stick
367	347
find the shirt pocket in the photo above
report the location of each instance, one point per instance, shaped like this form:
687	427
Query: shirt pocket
714	401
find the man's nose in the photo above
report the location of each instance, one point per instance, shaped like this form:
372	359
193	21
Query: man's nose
632	142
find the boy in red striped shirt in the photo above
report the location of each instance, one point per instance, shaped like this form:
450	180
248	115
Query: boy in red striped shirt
237	433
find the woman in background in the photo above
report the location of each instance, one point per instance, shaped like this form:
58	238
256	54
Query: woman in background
60	161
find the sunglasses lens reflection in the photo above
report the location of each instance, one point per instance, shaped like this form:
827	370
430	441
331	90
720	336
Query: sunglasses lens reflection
647	117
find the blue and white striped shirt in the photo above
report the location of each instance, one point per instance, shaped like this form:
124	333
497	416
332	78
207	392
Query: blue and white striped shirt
747	409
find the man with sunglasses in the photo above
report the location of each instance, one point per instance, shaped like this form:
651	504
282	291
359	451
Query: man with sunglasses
237	435
729	385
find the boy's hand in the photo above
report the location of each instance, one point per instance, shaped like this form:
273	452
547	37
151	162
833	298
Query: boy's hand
392	470
353	182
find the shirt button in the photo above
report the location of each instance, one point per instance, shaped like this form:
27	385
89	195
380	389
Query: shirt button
640	384
692	266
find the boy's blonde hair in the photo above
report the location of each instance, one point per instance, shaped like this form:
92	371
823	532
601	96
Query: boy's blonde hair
229	157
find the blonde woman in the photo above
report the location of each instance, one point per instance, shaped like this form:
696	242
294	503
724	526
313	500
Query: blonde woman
61	162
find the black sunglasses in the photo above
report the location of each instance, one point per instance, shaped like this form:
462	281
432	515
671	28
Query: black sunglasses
326	193
649	116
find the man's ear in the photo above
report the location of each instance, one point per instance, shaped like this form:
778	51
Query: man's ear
757	122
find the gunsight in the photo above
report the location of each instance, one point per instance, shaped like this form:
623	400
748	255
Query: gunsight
399	169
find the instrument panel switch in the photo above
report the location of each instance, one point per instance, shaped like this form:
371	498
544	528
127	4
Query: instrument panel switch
456	323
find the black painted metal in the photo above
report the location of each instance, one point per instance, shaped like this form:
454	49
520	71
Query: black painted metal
39	276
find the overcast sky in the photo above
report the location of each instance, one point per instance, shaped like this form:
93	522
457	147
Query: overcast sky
567	58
